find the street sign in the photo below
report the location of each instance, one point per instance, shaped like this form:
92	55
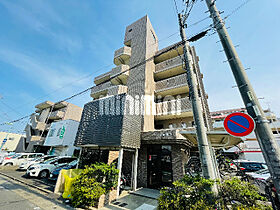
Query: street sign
239	124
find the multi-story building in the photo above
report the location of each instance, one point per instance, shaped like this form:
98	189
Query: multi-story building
10	141
40	122
140	109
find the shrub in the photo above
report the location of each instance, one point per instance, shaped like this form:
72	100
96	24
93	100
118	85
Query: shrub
93	182
240	194
188	193
195	193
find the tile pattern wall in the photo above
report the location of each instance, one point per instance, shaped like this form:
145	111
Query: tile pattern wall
102	122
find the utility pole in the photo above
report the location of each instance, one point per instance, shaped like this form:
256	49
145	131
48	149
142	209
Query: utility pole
208	169
270	149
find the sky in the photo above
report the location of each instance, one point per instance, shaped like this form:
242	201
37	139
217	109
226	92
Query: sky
50	50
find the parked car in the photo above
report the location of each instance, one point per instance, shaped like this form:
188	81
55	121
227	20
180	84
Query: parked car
26	164
19	158
259	179
42	170
54	174
3	155
249	166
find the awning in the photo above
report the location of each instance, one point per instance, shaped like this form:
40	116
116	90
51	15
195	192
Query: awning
218	139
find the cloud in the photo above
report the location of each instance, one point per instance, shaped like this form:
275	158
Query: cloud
40	17
48	76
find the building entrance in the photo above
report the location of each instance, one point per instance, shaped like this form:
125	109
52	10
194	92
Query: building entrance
159	166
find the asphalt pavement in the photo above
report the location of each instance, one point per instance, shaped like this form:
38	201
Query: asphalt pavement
15	196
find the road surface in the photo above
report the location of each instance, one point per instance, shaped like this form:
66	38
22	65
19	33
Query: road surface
15	196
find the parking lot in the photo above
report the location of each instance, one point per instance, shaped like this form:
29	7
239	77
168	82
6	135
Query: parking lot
12	172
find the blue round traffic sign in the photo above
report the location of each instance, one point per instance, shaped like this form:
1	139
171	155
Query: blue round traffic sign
239	124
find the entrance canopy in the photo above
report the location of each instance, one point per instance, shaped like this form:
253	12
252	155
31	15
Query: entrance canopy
218	139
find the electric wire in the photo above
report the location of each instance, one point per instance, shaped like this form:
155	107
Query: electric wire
89	88
211	26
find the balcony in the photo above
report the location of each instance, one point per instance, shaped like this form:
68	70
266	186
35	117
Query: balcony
122	56
44	105
57	115
119	75
35	138
172	86
117	89
102	78
100	90
173	109
35	124
169	52
169	68
48	104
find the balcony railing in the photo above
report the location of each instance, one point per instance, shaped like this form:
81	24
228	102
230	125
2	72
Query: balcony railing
172	86
119	75
117	89
122	55
101	89
169	68
36	124
173	109
56	115
102	78
35	138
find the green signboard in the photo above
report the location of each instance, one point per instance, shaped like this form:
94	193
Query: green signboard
62	132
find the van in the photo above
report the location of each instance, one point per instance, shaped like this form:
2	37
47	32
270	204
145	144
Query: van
19	158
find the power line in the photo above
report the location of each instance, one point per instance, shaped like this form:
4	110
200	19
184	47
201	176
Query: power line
84	91
86	76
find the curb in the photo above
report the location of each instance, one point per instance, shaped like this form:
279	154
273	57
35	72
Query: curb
30	185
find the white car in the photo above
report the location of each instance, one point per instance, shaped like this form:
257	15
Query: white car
42	170
4	154
20	158
25	165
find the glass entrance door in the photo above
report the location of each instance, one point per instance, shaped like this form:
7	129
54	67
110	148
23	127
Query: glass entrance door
159	166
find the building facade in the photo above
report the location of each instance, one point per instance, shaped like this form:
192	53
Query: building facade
140	108
10	141
40	122
61	137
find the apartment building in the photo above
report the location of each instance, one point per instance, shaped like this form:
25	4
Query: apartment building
141	115
40	122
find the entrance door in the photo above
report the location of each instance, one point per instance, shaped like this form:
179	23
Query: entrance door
159	166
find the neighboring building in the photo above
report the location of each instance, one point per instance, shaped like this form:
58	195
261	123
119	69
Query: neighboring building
250	148
61	138
10	141
141	112
40	122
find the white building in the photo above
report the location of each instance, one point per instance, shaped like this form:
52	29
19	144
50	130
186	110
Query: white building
61	137
10	141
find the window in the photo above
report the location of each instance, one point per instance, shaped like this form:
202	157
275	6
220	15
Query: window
154	36
58	132
11	138
23	157
51	132
32	156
